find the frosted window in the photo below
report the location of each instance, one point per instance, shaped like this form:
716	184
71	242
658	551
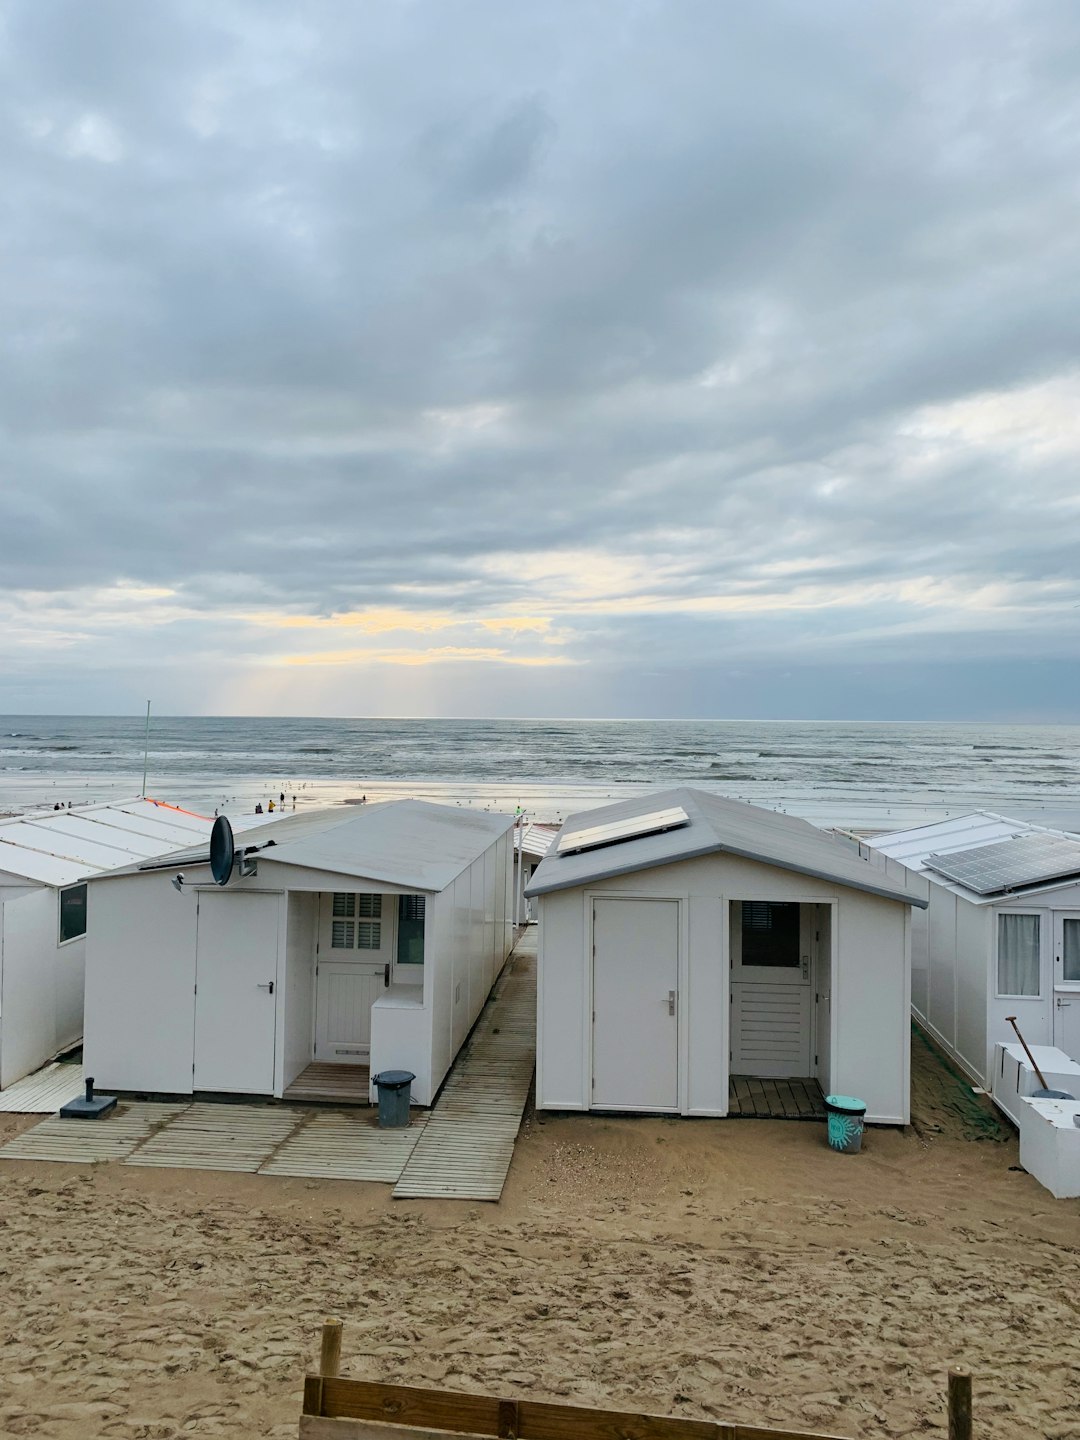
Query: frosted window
1071	951
341	936
1018	955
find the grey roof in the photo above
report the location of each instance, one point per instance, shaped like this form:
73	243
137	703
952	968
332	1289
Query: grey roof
62	847
981	843
408	843
718	825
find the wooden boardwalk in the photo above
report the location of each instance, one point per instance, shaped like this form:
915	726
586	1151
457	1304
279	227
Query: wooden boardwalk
752	1099
467	1144
338	1084
43	1092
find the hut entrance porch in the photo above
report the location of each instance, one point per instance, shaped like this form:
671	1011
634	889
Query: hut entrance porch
780	1027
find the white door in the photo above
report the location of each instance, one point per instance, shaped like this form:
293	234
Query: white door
356	944
771	994
635	1042
235	992
1067	983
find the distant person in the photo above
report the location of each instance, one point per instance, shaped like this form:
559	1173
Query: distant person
258	807
281	798
270	807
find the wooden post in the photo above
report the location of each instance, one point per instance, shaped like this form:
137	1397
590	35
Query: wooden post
330	1356
959	1405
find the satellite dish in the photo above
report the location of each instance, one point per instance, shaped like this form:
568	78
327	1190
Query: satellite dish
222	851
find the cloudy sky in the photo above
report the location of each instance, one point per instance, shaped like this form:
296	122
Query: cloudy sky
580	358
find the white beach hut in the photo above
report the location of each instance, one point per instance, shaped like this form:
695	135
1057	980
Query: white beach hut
346	941
686	939
46	860
1001	935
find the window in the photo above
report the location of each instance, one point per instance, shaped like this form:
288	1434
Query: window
1070	945
1018	955
72	913
410	934
356	922
770	933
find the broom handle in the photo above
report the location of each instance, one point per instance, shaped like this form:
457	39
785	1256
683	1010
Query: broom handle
1042	1078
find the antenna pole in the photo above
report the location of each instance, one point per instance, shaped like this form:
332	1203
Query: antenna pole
146	750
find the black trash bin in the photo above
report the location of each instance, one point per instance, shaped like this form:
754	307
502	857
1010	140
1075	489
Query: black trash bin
393	1087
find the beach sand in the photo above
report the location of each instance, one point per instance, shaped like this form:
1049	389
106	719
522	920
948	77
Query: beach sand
734	1270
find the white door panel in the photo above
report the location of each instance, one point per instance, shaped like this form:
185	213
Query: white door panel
772	1000
1067	983
345	993
236	992
635	1004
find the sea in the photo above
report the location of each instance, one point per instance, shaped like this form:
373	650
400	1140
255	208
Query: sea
858	775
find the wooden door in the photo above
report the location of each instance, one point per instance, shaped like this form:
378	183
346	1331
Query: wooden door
356	944
771	994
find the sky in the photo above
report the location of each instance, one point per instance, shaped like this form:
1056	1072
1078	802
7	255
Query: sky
464	358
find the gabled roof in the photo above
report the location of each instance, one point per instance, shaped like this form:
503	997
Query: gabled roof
408	843
62	847
718	825
535	839
984	833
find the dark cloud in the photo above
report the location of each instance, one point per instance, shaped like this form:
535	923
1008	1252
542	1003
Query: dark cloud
699	331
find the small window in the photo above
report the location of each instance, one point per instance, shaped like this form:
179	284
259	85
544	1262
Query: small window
410	937
1070	944
770	934
341	935
368	935
72	913
344	907
1018	956
370	907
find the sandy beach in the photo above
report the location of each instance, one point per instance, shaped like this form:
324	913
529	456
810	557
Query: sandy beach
732	1269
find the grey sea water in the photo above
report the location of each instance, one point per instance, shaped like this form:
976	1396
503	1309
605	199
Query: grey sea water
859	774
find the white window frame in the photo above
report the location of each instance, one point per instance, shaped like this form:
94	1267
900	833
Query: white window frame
62	944
1000	994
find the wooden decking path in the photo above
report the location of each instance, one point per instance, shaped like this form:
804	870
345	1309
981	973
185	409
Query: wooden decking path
43	1092
465	1149
338	1084
795	1099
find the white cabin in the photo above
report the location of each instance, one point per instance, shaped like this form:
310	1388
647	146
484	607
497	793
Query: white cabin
685	939
1001	936
46	860
347	941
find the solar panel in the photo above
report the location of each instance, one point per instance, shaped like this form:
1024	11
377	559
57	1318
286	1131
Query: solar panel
1009	864
633	828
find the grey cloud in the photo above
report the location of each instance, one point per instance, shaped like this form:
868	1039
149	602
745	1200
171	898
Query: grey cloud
233	303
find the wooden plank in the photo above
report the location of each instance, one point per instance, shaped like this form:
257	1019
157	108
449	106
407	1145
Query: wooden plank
411	1405
404	1412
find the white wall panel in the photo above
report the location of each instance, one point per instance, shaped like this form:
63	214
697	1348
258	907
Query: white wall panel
140	985
973	932
296	1009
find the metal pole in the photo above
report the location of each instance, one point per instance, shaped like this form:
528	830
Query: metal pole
146	750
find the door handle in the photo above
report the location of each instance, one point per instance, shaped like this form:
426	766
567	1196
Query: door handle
386	975
671	1002
266	985
1063	1004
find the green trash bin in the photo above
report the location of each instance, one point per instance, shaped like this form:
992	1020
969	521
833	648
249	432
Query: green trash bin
845	1121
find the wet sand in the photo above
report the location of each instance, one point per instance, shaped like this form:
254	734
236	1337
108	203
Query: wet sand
735	1270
